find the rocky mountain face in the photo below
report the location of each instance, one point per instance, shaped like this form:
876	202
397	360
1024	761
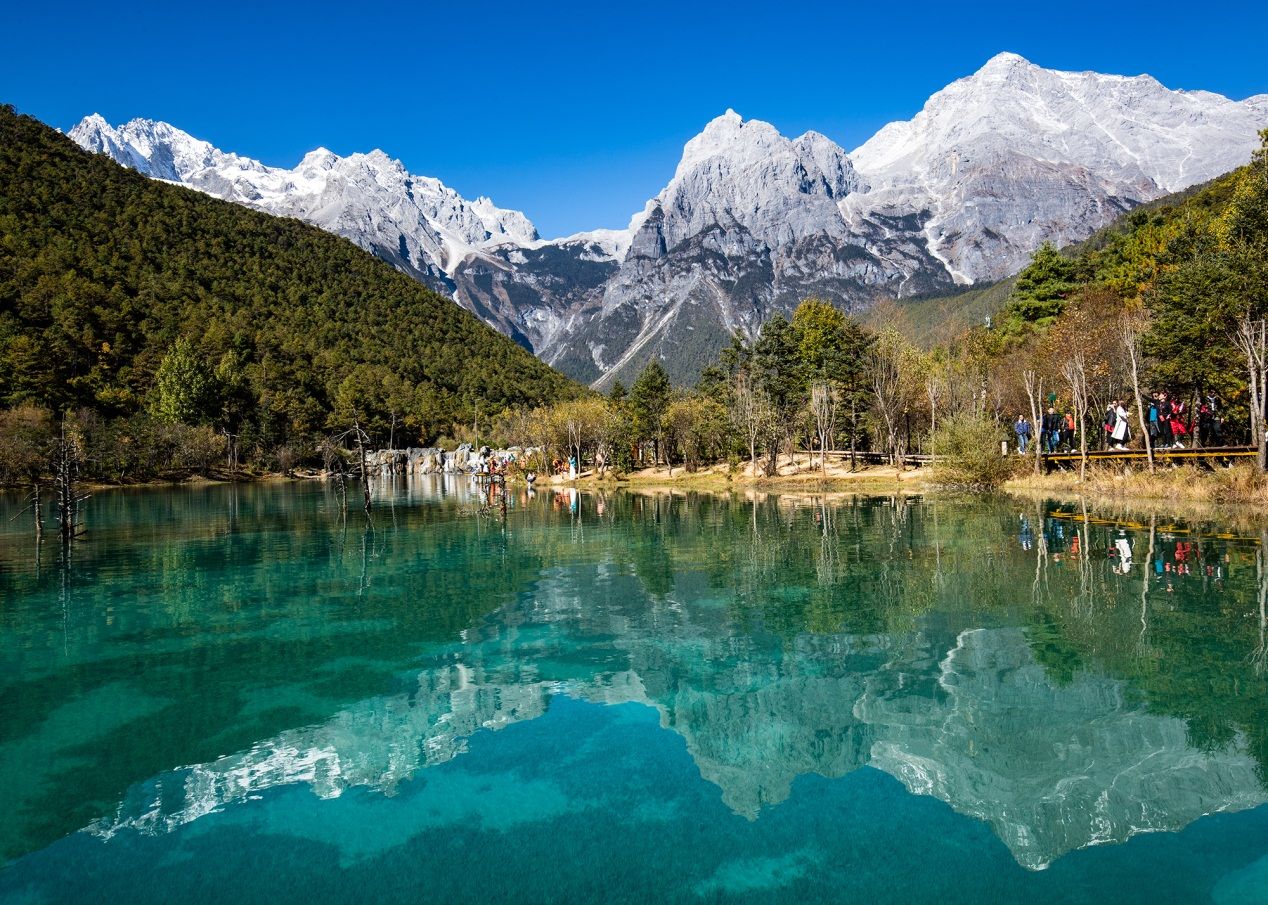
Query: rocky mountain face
752	222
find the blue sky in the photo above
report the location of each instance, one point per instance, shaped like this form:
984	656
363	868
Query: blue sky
572	112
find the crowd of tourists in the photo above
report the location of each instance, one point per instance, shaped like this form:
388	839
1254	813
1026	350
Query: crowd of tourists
1167	418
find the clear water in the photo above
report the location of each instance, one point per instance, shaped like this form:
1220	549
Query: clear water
235	694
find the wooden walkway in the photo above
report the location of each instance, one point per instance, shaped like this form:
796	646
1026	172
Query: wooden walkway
1196	456
1205	456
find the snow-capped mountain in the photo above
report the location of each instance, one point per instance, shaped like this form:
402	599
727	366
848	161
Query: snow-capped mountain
415	222
1016	155
752	221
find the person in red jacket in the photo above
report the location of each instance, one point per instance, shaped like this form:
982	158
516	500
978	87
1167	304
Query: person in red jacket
1178	427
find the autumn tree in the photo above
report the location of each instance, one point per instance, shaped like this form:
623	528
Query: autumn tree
698	425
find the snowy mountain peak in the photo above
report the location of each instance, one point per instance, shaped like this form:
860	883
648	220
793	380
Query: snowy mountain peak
416	222
1005	61
322	158
729	135
1016	154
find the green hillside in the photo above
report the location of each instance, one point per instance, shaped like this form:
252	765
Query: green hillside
929	321
261	325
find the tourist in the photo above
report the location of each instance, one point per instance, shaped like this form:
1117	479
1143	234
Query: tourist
1178	428
1067	431
1165	436
572	468
1122	432
1022	430
1208	423
1051	430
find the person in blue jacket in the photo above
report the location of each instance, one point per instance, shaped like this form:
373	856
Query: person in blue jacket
1022	430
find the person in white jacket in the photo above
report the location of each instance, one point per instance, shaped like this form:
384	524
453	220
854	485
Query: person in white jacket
1122	433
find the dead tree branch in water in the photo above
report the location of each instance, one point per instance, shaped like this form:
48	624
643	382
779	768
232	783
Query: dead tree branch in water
67	459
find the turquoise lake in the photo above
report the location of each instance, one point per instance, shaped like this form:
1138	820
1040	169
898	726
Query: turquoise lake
238	694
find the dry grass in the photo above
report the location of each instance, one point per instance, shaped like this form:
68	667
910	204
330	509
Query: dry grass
1231	497
1239	484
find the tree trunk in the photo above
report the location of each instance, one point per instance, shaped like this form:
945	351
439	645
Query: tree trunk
1252	339
365	471
1034	391
933	432
1129	340
66	475
1083	448
854	434
38	508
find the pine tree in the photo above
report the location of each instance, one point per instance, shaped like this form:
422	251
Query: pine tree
649	397
1041	290
778	374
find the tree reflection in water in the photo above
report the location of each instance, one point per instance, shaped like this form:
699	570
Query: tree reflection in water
1066	678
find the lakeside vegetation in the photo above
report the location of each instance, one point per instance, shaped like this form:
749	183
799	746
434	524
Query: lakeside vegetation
175	330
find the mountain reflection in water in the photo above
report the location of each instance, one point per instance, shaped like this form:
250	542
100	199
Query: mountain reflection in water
1068	681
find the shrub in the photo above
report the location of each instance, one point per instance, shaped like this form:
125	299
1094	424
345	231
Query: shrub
967	453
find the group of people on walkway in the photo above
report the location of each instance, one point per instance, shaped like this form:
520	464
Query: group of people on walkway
1055	431
1167	418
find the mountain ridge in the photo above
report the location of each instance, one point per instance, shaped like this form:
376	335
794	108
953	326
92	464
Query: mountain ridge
753	221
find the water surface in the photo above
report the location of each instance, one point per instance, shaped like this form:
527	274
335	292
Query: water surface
237	693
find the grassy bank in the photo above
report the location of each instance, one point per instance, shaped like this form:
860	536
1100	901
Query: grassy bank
1236	497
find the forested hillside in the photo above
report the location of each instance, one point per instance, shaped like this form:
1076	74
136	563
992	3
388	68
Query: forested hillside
123	295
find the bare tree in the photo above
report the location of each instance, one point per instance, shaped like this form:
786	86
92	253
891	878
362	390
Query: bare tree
933	390
1251	337
67	458
1131	342
750	412
362	438
888	389
1034	391
823	404
1075	372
